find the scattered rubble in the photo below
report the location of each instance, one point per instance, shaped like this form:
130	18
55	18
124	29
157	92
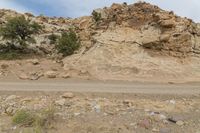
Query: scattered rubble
104	112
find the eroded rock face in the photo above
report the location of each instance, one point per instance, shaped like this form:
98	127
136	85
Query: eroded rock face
138	41
129	42
176	36
159	30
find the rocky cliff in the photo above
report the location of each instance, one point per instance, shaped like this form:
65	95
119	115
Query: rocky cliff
138	42
128	42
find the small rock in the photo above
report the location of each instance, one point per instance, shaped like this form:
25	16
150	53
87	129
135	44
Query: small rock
51	74
76	114
176	118
145	123
127	102
165	121
68	95
159	117
34	77
133	124
65	76
97	108
155	130
23	76
165	130
172	101
4	66
60	102
34	61
26	99
180	123
11	97
14	127
162	117
10	111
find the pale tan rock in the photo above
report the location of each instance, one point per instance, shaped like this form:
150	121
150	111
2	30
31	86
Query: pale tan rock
180	123
51	74
34	61
60	102
68	95
23	76
65	75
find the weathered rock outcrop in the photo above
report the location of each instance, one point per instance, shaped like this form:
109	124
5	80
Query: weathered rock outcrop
159	30
128	42
139	41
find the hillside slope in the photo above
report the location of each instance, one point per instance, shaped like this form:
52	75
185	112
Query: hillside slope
129	42
140	42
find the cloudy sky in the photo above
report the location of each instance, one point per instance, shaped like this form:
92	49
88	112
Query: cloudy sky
76	8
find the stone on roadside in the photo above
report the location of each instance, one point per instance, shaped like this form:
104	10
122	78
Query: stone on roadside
97	108
60	102
34	61
27	99
65	75
180	123
34	77
23	76
165	130
10	111
145	123
11	97
175	118
172	101
4	66
155	130
68	95
51	74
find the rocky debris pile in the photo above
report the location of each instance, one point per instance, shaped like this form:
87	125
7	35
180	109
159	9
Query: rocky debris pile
105	113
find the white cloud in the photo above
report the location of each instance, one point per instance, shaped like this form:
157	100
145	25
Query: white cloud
9	4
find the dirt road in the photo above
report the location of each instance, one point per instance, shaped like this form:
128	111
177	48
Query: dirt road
99	86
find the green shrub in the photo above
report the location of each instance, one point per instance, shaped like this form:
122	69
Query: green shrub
19	30
68	43
96	16
41	120
53	38
23	117
12	52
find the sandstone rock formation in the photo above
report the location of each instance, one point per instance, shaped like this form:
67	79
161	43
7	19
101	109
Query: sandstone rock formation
129	42
139	41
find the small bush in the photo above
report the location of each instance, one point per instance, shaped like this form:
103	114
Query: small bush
40	120
12	52
23	117
96	16
44	119
53	38
68	43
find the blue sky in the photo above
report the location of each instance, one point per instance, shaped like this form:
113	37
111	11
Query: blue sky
76	8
